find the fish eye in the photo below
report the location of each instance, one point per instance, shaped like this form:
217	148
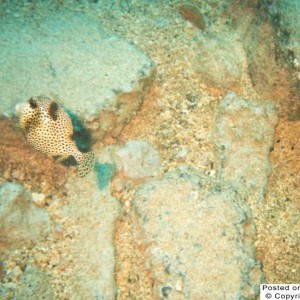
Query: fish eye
33	103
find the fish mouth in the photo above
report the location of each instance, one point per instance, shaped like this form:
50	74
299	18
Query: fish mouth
18	108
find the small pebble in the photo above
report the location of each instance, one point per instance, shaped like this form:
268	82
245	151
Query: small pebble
39	199
212	173
178	286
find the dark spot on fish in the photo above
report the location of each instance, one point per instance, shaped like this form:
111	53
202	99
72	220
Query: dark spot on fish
31	123
33	103
53	109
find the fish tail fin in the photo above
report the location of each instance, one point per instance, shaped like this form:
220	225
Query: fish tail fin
85	162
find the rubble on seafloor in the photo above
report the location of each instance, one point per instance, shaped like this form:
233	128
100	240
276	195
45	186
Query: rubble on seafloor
195	129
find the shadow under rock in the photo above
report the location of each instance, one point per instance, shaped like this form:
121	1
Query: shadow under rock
104	172
82	137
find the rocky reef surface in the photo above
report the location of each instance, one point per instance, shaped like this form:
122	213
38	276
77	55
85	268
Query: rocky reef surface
84	69
192	111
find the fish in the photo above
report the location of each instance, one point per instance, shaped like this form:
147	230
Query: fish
49	129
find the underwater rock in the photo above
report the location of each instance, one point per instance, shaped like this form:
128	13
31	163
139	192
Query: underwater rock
98	76
268	73
269	33
279	229
34	284
244	134
4	292
20	219
284	15
198	236
266	76
137	160
222	61
124	167
94	212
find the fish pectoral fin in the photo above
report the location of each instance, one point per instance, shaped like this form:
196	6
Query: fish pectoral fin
53	110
